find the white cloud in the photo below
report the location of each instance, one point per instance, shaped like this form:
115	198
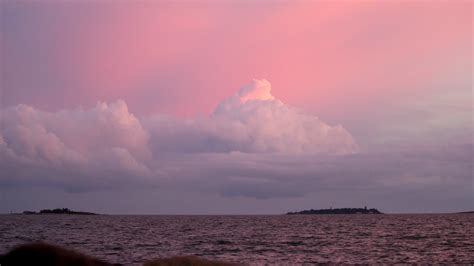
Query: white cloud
258	90
252	145
250	121
107	142
104	135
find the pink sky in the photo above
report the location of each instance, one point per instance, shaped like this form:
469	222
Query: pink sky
183	59
344	93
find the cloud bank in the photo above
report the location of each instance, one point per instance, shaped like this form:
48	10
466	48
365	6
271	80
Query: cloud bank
251	146
108	139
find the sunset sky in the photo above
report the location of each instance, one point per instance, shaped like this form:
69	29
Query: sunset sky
229	107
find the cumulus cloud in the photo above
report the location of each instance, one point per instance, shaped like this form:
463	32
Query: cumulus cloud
252	120
258	90
34	133
107	140
102	142
251	146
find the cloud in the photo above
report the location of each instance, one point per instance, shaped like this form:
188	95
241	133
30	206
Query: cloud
252	120
32	133
267	176
258	90
107	142
72	147
252	146
418	179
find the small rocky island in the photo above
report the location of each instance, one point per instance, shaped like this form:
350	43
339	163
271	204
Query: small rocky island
59	211
339	211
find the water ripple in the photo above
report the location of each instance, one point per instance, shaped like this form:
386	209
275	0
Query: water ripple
281	239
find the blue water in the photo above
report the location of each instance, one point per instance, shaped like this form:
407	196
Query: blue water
278	239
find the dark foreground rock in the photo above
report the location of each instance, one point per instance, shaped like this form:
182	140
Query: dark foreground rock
50	255
339	211
46	254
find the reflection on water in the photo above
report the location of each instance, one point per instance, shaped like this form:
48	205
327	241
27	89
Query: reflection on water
253	239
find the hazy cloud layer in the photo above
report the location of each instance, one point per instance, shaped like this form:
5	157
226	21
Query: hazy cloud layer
418	179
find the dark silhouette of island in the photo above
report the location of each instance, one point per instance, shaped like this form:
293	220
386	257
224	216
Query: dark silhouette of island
59	211
339	211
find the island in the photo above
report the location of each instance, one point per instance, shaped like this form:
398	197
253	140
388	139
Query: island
339	211
59	211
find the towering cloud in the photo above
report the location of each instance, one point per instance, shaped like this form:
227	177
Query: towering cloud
258	90
272	126
252	120
109	142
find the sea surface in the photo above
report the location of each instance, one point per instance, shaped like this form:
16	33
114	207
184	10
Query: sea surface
254	240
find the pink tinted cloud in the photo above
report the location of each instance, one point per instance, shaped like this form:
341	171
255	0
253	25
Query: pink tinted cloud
251	121
107	143
110	135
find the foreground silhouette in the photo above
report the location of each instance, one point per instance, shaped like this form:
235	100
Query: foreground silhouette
46	254
50	255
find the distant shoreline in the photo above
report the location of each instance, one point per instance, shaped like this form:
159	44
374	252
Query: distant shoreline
72	212
57	211
338	211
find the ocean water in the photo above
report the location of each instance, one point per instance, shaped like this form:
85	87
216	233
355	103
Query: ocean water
278	239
